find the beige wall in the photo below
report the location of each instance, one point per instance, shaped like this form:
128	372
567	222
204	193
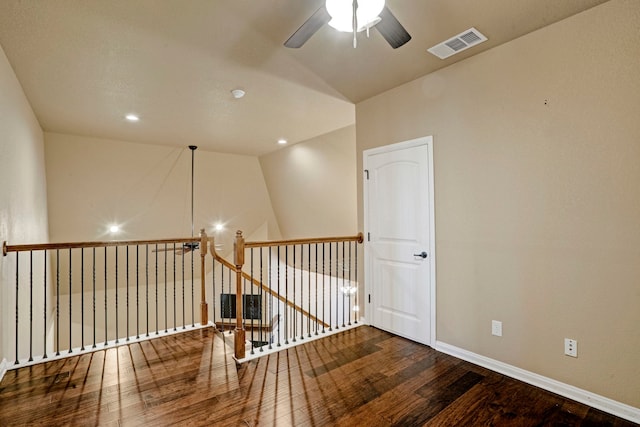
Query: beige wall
537	172
23	199
313	185
93	183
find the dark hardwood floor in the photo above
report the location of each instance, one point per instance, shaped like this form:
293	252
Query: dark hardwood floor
361	377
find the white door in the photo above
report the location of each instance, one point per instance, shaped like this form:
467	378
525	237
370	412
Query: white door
399	240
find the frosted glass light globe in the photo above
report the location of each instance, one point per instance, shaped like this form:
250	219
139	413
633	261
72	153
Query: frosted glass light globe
341	12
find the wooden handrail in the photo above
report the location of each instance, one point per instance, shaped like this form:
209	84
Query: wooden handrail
239	247
205	244
357	238
201	243
204	307
238	258
263	286
97	244
114	265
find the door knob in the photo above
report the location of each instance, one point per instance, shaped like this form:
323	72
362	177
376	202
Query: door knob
422	254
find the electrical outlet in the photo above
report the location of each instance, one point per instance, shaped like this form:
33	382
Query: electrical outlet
496	328
570	347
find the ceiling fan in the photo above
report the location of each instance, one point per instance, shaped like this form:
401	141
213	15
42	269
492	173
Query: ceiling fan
352	16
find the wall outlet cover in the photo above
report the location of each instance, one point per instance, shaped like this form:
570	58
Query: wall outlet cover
571	347
496	328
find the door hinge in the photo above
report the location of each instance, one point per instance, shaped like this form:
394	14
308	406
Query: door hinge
369	298
366	171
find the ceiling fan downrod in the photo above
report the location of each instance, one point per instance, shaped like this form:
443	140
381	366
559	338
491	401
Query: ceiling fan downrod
193	152
193	245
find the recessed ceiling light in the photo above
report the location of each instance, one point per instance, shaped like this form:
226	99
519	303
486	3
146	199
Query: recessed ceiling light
114	229
282	141
238	93
132	117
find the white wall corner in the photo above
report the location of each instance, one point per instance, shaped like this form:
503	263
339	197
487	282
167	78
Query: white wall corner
3	368
579	395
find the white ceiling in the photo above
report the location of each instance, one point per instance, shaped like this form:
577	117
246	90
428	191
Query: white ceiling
85	64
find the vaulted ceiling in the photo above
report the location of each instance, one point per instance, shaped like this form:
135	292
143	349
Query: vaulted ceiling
85	64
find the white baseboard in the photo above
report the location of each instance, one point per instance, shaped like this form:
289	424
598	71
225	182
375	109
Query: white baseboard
3	368
586	397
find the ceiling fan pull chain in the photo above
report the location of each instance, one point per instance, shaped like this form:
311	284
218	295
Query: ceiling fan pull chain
355	23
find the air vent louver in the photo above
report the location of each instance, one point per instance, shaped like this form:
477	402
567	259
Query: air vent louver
470	38
456	44
462	41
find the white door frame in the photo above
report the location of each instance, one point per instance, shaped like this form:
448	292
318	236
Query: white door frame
428	141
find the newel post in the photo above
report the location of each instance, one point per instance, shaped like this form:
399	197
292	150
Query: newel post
204	308
239	333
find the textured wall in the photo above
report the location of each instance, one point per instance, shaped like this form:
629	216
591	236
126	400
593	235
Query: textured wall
146	189
23	198
313	185
537	165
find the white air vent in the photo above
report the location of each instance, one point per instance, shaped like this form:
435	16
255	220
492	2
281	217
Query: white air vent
462	41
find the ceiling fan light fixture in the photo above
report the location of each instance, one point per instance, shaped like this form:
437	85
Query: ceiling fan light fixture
341	13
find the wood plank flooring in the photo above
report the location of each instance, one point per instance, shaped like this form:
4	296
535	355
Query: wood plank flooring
361	377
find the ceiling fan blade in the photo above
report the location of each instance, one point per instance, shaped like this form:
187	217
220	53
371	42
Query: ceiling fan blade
391	29
309	28
179	250
167	249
